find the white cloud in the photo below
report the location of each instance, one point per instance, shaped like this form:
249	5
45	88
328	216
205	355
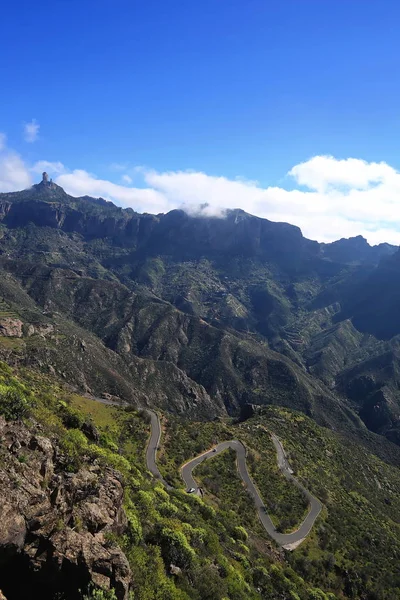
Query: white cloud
31	131
82	183
331	198
343	197
321	173
53	168
13	173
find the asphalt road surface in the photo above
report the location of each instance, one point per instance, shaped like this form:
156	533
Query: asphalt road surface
152	444
152	447
286	540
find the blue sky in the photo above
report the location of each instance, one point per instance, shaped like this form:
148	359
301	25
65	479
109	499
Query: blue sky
224	88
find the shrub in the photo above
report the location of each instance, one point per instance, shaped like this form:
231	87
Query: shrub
175	548
100	594
134	527
240	533
71	418
107	442
74	444
317	594
107	457
13	404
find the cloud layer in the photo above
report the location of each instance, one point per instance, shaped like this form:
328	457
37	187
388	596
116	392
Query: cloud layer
31	131
327	197
331	198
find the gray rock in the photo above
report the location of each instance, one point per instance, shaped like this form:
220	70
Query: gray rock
66	515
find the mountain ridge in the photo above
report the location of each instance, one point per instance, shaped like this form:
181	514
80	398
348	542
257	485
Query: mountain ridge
228	328
175	289
50	193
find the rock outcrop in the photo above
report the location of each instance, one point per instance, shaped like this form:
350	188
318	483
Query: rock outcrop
55	526
10	327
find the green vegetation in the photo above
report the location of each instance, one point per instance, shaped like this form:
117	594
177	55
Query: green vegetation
218	477
183	440
98	594
16	400
217	546
354	547
178	546
12	343
285	503
5	310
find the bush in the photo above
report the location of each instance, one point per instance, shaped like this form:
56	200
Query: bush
175	548
240	533
13	404
134	527
74	444
109	458
71	418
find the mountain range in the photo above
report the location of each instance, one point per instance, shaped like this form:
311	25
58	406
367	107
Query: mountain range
230	328
201	315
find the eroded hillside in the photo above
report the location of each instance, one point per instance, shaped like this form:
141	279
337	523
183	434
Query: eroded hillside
202	315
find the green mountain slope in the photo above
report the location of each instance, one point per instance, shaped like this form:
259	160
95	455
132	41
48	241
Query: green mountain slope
210	320
84	461
257	297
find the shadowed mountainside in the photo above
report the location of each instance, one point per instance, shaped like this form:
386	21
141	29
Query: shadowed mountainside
201	315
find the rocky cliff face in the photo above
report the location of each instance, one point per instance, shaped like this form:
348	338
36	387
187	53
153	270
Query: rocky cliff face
55	525
373	386
188	313
178	234
373	303
10	327
47	205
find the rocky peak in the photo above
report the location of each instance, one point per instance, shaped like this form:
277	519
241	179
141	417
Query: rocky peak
48	187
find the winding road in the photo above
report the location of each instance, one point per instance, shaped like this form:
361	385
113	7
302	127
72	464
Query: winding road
289	541
152	447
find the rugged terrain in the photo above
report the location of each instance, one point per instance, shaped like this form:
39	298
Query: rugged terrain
212	321
81	517
283	319
57	521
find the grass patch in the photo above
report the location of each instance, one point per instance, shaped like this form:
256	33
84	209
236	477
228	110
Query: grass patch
11	343
122	429
103	415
